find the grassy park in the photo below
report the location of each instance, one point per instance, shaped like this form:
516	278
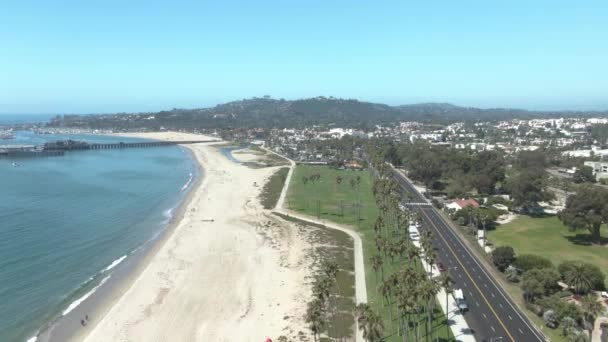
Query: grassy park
333	196
548	237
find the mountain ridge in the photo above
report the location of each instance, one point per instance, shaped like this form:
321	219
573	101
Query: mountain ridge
327	111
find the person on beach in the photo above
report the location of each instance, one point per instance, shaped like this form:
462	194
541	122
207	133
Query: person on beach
82	322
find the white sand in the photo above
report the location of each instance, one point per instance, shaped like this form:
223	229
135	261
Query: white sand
234	279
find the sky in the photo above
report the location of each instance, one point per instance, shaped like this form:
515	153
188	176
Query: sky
132	56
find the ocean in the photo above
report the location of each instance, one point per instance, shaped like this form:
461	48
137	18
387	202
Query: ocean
68	224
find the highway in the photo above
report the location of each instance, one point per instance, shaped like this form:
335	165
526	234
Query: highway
492	315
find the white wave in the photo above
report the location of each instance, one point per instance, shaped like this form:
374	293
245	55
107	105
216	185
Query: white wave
115	263
188	182
79	301
32	339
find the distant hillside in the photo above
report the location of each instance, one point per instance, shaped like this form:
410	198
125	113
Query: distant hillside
268	112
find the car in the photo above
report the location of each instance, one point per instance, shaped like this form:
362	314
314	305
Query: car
604	294
440	267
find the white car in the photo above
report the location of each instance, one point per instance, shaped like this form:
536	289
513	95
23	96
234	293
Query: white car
604	294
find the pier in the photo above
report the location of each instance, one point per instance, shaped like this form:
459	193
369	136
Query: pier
59	148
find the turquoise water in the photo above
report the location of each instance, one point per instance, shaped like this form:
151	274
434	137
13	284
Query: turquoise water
66	222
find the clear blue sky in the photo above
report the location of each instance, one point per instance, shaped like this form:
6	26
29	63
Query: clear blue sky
106	56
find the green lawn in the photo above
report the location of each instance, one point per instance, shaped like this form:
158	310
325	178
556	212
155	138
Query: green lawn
548	237
338	203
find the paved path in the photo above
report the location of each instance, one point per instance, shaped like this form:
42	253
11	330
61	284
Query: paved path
360	285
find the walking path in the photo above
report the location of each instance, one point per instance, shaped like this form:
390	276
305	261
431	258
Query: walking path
360	286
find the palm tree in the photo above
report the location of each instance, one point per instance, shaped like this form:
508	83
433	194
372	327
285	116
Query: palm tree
431	257
413	253
591	308
447	282
314	317
377	264
373	330
578	278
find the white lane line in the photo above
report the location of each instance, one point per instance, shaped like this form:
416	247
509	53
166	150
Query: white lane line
521	332
484	315
511	318
493	330
500	305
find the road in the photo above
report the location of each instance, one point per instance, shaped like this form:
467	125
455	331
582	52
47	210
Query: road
492	315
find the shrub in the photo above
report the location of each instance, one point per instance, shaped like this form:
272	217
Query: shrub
502	257
461	221
563	294
550	319
561	308
512	274
537	309
540	282
526	262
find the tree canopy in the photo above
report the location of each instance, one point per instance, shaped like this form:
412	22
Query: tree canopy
587	209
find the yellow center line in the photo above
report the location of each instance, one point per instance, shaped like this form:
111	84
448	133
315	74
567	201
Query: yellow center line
467	273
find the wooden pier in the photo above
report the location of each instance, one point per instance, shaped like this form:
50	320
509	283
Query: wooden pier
59	148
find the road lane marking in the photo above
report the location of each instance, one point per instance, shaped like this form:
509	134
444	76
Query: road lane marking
406	182
474	284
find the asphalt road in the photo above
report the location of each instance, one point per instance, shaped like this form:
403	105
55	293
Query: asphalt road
492	315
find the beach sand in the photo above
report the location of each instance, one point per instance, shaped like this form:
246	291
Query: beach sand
244	276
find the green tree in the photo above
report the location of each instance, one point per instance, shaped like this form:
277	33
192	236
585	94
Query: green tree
447	282
315	317
488	169
540	282
502	257
587	209
584	174
582	277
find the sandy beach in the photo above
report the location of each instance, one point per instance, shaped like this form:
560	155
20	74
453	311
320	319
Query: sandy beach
228	271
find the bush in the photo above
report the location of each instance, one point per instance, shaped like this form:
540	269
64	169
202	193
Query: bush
540	282
582	276
563	294
537	309
526	262
561	308
503	257
512	274
550	319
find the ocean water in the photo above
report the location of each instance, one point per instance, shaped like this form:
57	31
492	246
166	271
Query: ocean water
13	119
67	223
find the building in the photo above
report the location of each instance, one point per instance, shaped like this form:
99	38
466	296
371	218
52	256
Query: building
600	169
462	203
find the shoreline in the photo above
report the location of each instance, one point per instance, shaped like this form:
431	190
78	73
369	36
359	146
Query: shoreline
225	269
123	285
62	328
